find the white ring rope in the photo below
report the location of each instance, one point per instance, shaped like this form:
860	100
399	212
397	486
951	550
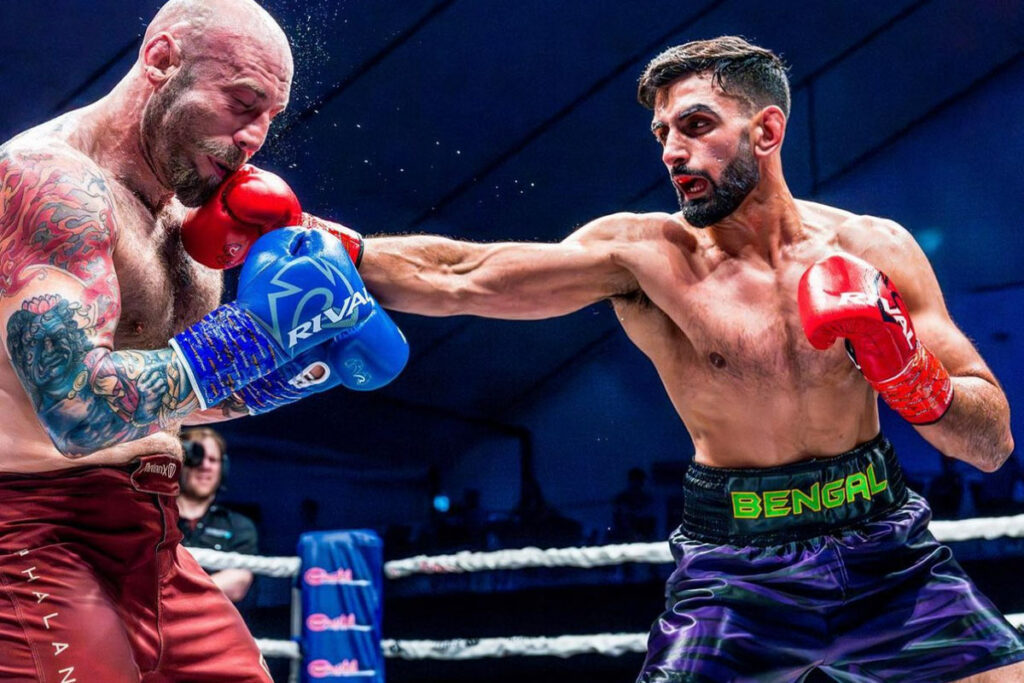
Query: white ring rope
287	649
280	567
978	527
592	556
608	644
655	553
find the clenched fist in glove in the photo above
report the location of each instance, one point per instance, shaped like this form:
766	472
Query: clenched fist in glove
249	203
844	296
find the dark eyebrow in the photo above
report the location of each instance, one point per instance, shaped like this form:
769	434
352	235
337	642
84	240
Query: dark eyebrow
702	108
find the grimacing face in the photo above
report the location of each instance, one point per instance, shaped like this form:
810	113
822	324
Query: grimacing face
738	179
214	114
174	123
705	148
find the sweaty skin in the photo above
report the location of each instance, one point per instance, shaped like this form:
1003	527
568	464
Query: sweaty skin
94	279
715	308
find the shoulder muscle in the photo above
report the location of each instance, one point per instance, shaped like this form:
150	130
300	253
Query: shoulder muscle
55	210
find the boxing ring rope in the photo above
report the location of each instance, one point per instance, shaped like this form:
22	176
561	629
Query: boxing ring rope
609	644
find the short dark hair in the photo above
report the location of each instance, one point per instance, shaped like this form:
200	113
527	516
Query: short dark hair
752	73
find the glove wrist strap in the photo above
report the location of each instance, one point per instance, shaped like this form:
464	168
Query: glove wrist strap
223	352
352	240
269	393
922	392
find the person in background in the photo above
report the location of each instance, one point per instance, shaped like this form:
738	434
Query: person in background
205	524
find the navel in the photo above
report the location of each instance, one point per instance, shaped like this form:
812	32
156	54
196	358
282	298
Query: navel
717	360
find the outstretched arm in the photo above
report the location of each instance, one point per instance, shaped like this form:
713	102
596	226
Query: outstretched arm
437	276
59	306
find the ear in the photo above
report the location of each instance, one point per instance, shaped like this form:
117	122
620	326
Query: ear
768	131
161	57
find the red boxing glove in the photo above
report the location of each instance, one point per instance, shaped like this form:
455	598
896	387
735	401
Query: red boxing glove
843	296
249	203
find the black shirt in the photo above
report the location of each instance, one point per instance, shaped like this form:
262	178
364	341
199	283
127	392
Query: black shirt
220	529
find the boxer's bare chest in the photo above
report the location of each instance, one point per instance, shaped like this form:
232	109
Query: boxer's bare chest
736	323
162	289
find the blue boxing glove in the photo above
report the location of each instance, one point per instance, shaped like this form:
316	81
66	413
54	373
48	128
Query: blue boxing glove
363	358
297	289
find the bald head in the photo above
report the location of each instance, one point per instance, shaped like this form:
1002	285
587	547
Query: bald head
203	29
211	76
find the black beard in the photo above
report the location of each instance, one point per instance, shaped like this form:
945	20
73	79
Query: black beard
739	178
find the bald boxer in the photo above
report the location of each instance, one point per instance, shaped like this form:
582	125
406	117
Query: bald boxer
113	339
800	547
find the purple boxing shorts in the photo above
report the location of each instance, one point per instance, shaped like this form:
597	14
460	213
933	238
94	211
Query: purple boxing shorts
828	565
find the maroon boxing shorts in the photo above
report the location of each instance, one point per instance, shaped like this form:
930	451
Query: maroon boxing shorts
94	585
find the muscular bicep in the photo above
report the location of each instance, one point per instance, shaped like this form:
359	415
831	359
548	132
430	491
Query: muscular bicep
513	280
59	306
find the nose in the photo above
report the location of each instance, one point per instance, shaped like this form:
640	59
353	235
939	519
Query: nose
674	152
250	137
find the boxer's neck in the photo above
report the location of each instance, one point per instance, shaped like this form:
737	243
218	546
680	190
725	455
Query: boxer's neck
113	126
766	221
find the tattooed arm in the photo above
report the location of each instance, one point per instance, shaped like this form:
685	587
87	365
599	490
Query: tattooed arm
228	409
60	303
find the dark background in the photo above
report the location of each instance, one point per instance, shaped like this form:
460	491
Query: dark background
517	121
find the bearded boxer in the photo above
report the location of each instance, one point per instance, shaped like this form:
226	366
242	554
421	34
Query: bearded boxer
114	339
800	546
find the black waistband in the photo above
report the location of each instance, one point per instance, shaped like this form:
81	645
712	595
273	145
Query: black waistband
767	506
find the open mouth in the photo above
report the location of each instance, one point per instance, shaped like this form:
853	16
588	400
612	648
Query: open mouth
692	186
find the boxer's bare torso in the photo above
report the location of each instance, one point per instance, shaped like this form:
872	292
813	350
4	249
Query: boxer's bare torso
715	312
715	307
725	335
161	289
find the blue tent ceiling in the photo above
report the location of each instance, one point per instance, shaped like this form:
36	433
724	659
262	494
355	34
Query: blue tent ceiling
517	120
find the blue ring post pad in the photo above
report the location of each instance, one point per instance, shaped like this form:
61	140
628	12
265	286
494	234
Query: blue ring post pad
226	350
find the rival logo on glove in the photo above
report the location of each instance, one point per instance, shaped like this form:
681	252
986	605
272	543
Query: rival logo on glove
862	299
303	325
345	316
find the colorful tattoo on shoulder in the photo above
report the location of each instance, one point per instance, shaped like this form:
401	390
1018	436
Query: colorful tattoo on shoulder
89	397
57	213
